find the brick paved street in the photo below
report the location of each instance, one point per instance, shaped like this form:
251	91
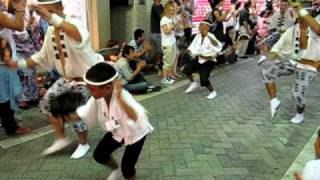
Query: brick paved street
231	137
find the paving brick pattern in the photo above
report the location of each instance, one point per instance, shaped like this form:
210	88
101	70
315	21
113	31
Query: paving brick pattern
231	137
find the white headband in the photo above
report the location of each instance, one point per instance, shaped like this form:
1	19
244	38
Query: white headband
100	83
205	22
49	2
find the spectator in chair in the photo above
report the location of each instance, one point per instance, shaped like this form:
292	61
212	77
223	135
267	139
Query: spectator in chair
229	46
133	80
245	30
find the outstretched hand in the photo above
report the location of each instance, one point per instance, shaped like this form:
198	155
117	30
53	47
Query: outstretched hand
296	4
11	64
6	55
297	176
43	12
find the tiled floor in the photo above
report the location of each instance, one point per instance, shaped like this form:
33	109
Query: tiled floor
230	137
307	154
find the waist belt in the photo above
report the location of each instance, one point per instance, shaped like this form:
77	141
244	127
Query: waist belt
306	67
303	66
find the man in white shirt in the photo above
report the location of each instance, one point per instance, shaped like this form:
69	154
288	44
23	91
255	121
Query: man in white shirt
300	46
204	49
119	114
67	48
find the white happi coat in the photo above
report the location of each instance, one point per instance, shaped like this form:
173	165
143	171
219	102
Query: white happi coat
81	55
204	47
288	20
130	131
285	47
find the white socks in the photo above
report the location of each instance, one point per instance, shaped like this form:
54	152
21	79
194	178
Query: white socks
297	119
57	145
212	95
81	150
192	87
115	174
274	106
262	59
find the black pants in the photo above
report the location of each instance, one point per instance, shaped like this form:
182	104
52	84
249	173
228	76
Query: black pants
7	118
203	69
221	60
138	85
107	145
133	64
188	35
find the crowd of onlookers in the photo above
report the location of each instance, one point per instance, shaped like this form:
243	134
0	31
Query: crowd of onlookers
171	33
28	42
165	52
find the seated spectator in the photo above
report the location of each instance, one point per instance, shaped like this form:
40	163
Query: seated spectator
141	48
229	46
133	80
245	30
312	169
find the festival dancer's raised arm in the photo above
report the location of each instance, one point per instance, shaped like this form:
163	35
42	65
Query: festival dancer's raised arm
57	21
17	23
306	17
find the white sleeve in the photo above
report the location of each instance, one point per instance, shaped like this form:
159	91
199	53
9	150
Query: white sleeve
217	48
41	58
7	34
311	170
283	46
132	43
273	21
133	103
165	21
192	47
83	32
88	112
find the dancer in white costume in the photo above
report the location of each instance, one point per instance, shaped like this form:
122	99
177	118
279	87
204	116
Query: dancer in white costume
204	49
68	49
299	46
123	119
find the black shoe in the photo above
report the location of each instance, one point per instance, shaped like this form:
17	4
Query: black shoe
153	88
243	57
